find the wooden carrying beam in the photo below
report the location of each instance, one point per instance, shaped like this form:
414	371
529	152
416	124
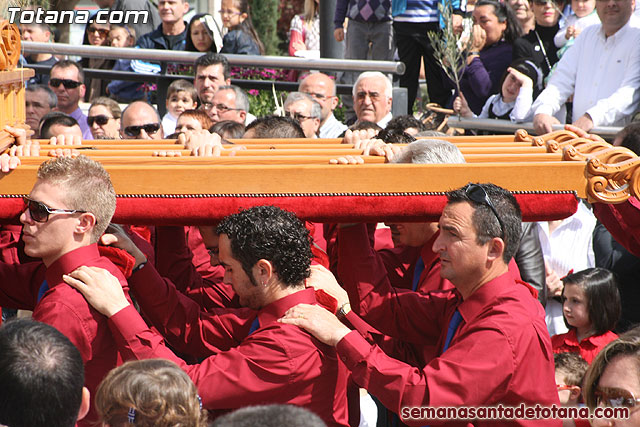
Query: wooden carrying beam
546	175
200	194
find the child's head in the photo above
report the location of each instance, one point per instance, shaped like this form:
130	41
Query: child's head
120	36
512	81
152	392
193	120
591	300
234	12
583	7
228	129
570	370
181	96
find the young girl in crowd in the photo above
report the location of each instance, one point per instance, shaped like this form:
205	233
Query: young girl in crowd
242	37
124	90
152	392
200	34
521	83
591	308
584	14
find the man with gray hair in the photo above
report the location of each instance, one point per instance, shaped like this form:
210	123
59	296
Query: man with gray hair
373	97
323	90
306	111
230	103
39	100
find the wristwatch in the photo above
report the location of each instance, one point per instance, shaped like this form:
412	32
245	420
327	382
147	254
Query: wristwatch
343	310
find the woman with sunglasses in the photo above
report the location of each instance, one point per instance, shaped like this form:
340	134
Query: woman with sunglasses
538	44
104	118
613	380
96	35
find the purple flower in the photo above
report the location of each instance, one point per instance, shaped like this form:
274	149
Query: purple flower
254	92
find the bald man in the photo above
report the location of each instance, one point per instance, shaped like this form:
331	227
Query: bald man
323	89
140	121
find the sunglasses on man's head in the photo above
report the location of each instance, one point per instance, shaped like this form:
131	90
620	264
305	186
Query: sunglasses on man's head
39	212
100	119
68	84
149	128
615	397
478	194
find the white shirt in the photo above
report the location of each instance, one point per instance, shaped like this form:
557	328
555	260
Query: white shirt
604	73
385	120
579	23
520	108
169	124
249	119
332	128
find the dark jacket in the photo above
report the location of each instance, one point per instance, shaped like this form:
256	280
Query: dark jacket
530	260
156	40
528	47
237	41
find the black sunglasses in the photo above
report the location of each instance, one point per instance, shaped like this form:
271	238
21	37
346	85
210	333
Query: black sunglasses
68	84
100	119
39	212
101	31
478	194
149	128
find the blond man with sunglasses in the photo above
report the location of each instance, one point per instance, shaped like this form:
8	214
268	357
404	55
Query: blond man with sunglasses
65	214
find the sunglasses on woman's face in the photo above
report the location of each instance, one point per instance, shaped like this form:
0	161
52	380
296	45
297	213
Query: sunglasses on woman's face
100	119
101	31
39	212
615	397
149	128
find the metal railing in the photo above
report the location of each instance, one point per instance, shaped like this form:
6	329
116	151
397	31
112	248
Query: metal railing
321	64
162	80
497	125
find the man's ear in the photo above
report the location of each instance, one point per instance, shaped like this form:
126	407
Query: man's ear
334	102
84	404
263	271
575	392
495	249
87	222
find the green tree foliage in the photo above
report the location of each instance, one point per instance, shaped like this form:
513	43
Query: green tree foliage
264	14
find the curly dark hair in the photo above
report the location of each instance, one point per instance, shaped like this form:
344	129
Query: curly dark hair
486	223
402	123
270	233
